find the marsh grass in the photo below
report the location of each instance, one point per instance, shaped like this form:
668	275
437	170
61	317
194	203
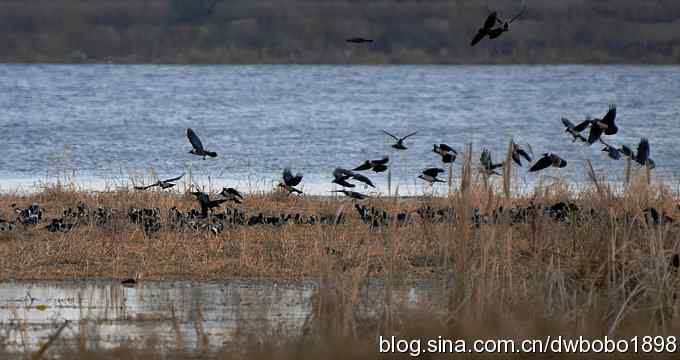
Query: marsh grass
494	280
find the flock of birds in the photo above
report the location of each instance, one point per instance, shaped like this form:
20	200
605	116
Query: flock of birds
588	131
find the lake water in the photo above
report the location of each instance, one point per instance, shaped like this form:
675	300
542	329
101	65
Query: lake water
108	123
108	314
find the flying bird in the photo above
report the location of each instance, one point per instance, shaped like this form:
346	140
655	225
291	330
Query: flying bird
205	203
353	194
518	153
611	151
643	152
447	153
488	28
163	184
606	126
575	130
232	194
290	181
197	145
375	165
547	161
340	177
430	175
399	145
359	40
488	167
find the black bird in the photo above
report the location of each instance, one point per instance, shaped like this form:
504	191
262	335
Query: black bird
489	30
518	153
164	184
290	181
359	40
626	151
232	194
489	23
375	165
342	175
547	161
488	167
399	145
198	145
353	194
643	151
447	153
611	151
430	175
575	130
605	126
205	202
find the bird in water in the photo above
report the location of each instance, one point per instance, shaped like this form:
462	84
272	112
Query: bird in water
575	130
548	160
447	153
359	40
290	181
399	145
518	153
606	126
232	194
197	145
205	203
375	165
492	32
488	167
163	184
353	194
430	175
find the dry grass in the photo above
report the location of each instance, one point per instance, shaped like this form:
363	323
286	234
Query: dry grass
571	278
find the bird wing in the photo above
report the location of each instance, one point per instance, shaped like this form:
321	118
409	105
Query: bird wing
433	172
479	36
524	154
490	20
446	148
610	116
485	159
340	173
643	151
363	179
234	192
518	15
173	179
287	176
394	137
409	135
194	140
582	125
568	124
382	161
295	180
365	166
595	133
516	159
542	163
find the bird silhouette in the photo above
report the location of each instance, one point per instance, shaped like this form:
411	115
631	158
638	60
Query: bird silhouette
518	153
163	184
492	32
430	175
375	165
447	153
399	145
359	40
205	203
232	194
197	145
352	194
606	126
575	130
341	177
487	166
290	181
547	161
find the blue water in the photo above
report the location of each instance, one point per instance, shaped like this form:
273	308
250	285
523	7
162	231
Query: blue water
109	124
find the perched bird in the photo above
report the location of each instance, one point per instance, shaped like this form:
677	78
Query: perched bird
447	153
232	194
359	40
575	130
290	181
198	145
430	175
488	167
375	165
353	194
163	184
518	153
547	161
399	145
205	203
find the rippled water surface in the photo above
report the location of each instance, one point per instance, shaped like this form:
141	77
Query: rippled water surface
110	122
